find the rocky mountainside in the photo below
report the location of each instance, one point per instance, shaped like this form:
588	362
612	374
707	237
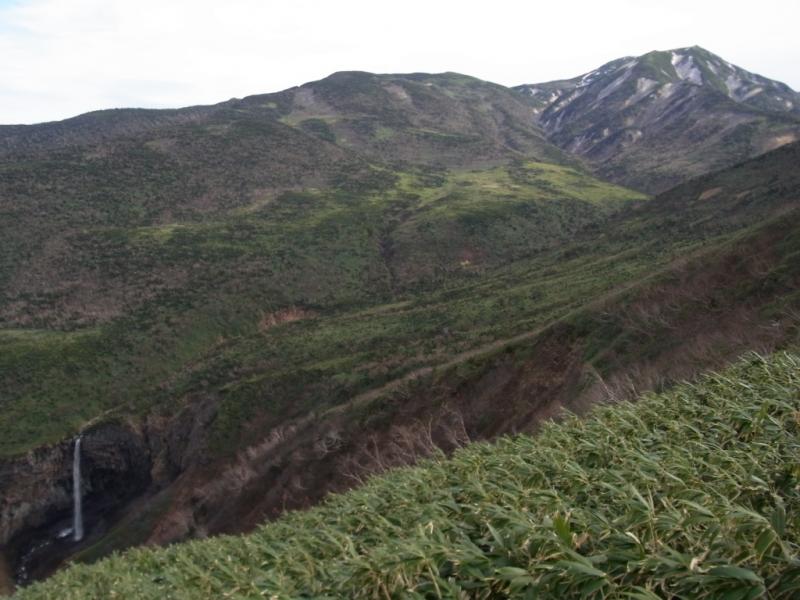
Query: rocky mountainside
245	306
652	121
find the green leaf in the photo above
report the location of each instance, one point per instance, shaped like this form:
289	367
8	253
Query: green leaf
579	567
764	541
509	573
778	519
733	572
590	587
562	529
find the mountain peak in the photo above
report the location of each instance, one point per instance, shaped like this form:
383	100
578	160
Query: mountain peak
629	107
692	65
699	50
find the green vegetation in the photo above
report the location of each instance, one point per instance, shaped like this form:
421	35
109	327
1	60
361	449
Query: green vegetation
441	263
690	493
183	301
271	280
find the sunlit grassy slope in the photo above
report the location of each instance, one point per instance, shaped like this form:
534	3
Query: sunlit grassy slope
691	493
386	282
135	316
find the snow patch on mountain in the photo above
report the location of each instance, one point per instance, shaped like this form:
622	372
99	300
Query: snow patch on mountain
632	136
686	69
753	92
563	102
644	85
614	85
589	78
557	125
734	83
666	90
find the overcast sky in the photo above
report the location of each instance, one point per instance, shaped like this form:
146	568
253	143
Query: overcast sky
59	58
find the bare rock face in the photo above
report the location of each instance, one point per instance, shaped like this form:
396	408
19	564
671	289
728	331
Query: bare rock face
653	121
34	486
179	441
36	502
116	465
122	463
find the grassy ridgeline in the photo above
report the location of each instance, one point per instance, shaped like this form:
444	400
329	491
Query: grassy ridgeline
691	493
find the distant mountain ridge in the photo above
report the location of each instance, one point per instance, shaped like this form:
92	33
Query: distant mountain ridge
656	120
352	132
418	117
648	122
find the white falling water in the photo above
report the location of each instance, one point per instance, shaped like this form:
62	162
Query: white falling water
77	516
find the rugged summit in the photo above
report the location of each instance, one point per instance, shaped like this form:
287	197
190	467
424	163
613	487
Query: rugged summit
655	120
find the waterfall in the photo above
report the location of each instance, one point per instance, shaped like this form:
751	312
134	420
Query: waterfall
77	517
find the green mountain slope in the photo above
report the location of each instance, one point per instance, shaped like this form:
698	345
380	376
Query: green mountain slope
412	228
656	302
250	417
653	121
156	268
72	193
244	307
182	293
691	493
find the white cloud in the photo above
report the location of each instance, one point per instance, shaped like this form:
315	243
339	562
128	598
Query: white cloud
64	57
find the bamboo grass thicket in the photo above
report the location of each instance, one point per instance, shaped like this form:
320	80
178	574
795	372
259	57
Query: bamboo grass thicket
691	493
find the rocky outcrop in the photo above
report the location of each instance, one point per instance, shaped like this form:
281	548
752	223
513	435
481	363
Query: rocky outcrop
36	487
123	462
116	464
178	441
33	487
36	491
653	121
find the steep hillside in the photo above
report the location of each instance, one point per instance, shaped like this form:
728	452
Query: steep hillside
179	291
246	306
79	198
157	265
657	301
690	493
221	415
652	121
360	241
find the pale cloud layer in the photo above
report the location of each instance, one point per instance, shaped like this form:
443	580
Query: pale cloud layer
59	58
